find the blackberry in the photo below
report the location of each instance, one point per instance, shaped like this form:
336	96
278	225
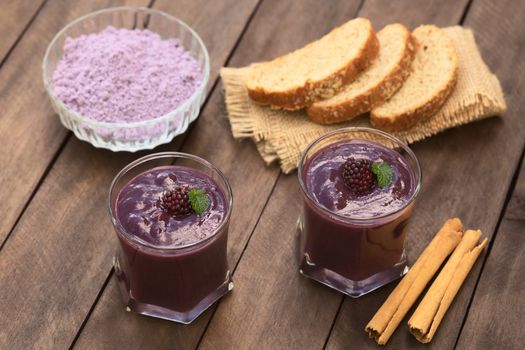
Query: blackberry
176	202
358	176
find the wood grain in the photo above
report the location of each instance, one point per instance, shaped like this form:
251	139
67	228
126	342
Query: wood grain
30	131
14	18
495	317
413	14
58	257
496	314
464	174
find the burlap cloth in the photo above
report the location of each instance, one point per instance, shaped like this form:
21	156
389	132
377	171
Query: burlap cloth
281	135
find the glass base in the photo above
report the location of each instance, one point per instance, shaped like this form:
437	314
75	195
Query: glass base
185	317
349	287
340	283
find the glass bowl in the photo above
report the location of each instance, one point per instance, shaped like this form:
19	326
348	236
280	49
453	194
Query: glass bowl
139	135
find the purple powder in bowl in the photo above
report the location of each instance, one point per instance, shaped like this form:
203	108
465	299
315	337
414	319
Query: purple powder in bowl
123	75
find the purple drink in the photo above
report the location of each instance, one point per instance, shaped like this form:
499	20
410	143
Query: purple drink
354	242
170	265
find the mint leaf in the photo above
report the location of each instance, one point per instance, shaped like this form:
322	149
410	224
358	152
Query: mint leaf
383	172
199	200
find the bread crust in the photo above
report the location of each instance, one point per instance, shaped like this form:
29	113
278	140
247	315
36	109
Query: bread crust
410	118
421	113
312	91
371	98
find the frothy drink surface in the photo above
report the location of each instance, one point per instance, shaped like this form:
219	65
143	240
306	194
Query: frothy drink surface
325	184
139	211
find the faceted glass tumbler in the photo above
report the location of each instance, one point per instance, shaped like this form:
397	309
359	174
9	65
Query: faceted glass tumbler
176	284
139	135
354	255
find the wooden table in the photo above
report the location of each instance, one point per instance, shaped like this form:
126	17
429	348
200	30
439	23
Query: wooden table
57	288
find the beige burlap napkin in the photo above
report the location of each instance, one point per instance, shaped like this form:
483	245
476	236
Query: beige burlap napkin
282	136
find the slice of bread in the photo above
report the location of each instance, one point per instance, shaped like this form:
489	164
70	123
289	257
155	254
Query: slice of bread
376	85
318	70
433	77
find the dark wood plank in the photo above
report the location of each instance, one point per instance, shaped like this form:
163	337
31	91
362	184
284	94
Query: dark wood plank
59	255
14	18
496	313
497	309
412	14
467	173
30	131
135	331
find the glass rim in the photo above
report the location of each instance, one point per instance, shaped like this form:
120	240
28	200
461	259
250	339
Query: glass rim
101	124
343	218
120	229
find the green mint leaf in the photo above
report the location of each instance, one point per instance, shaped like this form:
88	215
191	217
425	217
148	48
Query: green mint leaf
383	173
199	200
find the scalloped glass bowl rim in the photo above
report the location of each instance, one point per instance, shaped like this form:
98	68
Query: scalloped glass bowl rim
118	125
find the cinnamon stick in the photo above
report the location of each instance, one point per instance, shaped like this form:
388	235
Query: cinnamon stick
426	319
388	317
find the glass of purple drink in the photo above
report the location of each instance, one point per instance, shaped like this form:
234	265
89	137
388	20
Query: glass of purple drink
171	213
356	212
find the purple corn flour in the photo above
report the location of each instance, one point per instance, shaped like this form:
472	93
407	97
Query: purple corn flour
123	75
